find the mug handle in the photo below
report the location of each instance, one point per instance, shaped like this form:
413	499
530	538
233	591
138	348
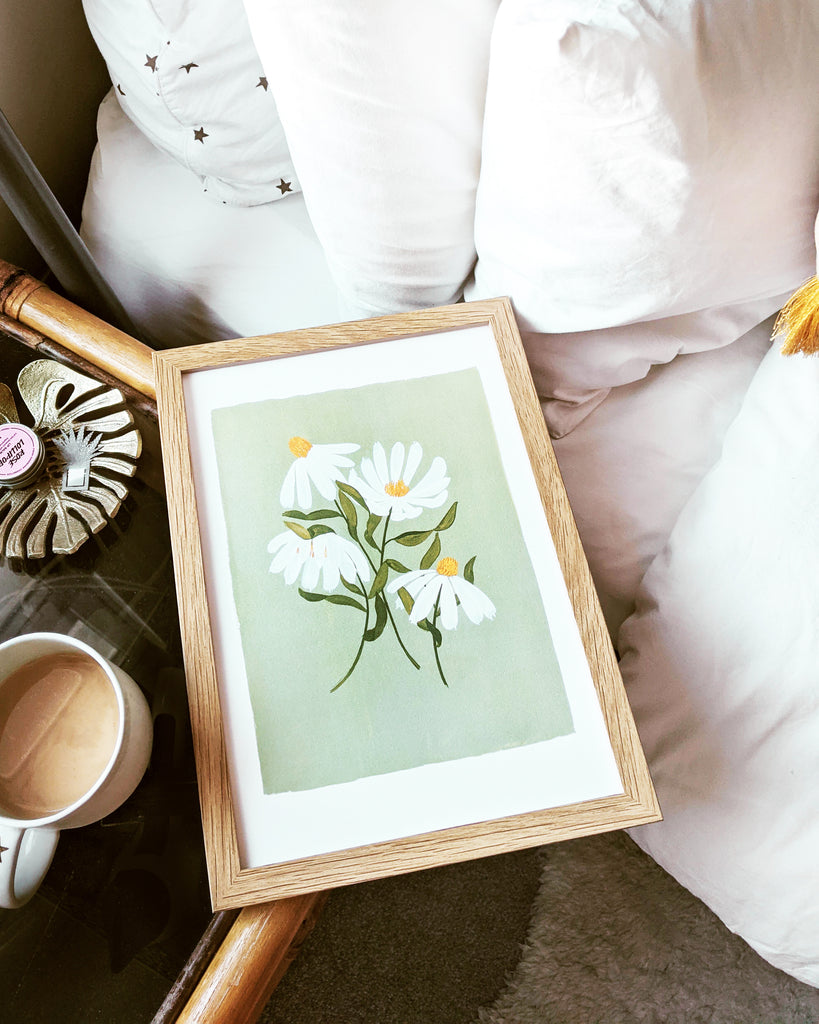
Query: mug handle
25	856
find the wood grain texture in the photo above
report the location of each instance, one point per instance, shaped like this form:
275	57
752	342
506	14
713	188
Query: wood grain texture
34	304
233	885
16	286
49	348
218	820
251	961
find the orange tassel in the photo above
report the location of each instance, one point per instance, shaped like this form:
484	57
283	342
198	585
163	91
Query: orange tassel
798	321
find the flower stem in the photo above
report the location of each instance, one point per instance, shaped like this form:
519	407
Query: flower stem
438	663
435	646
354	537
375	572
398	638
351	669
384	538
393	623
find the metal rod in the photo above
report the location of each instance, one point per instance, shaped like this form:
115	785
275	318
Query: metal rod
45	222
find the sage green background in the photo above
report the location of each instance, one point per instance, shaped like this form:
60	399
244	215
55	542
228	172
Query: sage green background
505	688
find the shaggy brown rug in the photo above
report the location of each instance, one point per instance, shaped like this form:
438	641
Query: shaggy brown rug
615	940
612	939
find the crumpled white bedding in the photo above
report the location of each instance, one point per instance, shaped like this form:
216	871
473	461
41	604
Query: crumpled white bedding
191	270
639	410
640	177
630	466
721	664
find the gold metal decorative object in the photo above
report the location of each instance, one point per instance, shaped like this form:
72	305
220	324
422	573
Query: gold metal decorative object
91	447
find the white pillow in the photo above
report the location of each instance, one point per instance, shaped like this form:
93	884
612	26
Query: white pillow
382	102
188	76
721	664
633	463
645	161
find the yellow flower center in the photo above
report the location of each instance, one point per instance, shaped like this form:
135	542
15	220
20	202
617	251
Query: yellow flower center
299	447
396	488
447	567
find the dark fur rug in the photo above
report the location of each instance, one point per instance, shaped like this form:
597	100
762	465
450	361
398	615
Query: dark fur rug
615	940
612	939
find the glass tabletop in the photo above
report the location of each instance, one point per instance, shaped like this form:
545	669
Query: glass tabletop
126	900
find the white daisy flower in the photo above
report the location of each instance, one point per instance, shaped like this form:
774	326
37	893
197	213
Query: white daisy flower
319	464
387	487
444	585
327	556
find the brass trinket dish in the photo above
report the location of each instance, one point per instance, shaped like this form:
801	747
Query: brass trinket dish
91	449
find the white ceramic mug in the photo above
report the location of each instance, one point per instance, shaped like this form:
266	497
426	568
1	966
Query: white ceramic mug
28	838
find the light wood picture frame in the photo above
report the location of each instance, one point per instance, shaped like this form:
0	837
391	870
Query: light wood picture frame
478	707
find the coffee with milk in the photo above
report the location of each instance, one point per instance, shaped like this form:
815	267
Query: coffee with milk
59	721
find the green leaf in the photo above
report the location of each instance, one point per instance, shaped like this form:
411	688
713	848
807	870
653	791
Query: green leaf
333	599
372	524
348	601
298	529
413	538
469	570
350	514
354	494
406	600
395	565
449	518
428	627
321	513
353	587
380	579
319	529
380	619
432	553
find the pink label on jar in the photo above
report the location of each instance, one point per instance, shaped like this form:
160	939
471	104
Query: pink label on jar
19	450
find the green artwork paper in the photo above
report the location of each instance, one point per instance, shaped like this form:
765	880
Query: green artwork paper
336	695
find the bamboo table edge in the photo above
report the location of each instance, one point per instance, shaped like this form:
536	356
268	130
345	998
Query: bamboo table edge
263	940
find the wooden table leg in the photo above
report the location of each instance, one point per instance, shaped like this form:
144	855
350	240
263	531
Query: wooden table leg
249	964
24	298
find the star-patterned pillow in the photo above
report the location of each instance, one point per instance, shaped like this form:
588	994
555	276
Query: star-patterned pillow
188	76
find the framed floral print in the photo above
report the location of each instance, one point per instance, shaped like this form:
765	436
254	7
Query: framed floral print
395	655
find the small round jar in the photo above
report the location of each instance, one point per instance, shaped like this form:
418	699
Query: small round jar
22	455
